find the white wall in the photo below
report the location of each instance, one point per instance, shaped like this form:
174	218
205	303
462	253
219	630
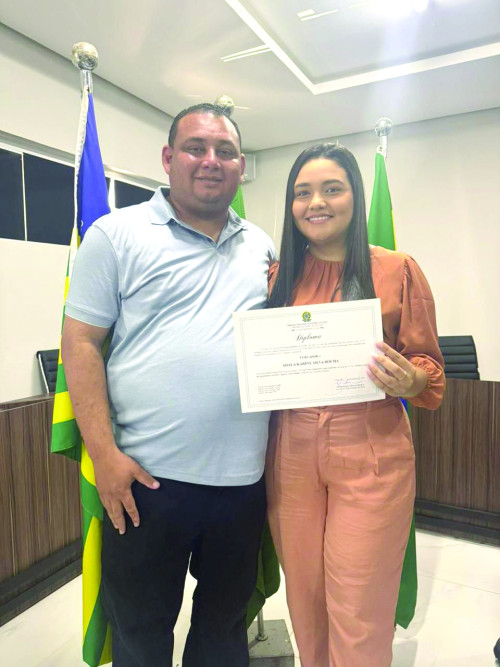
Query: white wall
41	103
444	177
443	174
32	279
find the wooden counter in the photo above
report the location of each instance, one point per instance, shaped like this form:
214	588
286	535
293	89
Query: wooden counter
458	461
458	487
40	526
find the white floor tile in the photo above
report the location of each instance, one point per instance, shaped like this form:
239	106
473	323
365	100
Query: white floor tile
69	654
459	561
453	625
456	624
41	631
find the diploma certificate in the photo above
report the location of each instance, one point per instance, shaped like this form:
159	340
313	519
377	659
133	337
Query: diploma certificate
307	356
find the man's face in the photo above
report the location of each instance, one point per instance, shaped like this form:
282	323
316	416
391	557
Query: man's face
205	165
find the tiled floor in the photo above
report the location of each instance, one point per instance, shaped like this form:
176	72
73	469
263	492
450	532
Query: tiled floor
456	624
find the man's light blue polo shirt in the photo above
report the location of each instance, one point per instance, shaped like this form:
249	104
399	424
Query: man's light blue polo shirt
169	293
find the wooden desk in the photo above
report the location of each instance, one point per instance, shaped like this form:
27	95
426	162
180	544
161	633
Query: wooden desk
458	461
40	527
458	487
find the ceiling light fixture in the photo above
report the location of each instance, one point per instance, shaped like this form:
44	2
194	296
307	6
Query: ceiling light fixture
317	16
305	12
256	51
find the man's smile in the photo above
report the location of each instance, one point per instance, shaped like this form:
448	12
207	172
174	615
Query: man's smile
209	179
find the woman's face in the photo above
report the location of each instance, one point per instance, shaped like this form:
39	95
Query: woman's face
323	206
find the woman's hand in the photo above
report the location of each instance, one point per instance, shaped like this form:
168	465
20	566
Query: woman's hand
395	375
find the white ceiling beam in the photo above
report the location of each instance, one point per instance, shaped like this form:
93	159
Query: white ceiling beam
374	76
414	67
262	34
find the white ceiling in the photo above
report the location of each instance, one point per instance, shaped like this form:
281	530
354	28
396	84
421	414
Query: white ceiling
329	76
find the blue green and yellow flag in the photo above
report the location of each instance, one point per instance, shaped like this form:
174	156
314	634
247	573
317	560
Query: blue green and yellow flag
381	233
91	202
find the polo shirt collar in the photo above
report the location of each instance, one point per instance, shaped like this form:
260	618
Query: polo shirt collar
161	212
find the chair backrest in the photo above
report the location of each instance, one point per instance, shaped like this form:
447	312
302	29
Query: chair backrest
460	358
48	360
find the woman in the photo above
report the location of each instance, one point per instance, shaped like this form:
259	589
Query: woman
341	479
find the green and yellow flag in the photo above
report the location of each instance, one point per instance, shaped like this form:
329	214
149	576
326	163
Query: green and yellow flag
268	570
381	233
91	202
381	219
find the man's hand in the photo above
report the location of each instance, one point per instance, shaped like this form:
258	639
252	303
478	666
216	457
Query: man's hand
114	474
395	375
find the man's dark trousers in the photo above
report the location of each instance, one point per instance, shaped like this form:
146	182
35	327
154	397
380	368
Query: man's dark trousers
143	573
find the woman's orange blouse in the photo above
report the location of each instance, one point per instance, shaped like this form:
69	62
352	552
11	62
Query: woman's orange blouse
408	313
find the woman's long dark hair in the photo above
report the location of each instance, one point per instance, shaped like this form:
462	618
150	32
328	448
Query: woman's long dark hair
355	279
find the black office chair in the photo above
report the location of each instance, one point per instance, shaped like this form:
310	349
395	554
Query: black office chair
460	358
48	360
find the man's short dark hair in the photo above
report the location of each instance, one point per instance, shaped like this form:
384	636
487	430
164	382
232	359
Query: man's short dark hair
204	107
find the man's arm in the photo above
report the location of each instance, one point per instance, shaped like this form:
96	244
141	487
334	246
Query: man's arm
86	378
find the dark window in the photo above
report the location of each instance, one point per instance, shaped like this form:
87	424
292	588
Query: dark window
11	196
127	195
49	200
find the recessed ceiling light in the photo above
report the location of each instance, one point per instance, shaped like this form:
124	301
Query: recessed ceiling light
305	12
317	16
256	51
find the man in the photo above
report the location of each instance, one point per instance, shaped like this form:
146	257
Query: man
178	467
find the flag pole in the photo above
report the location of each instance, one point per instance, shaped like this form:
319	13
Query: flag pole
407	597
84	56
383	128
90	203
226	103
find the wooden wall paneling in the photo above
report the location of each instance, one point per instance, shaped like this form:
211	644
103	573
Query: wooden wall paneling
458	460
21	492
38	429
481	443
39	493
29	490
64	501
425	453
461	434
6	519
494	453
25	402
442	421
447	417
